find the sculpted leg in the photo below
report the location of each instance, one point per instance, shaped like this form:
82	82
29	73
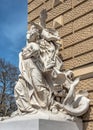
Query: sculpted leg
22	97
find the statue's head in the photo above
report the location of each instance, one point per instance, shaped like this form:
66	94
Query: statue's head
34	33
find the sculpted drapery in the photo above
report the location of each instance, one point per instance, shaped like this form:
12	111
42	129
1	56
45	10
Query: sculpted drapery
42	84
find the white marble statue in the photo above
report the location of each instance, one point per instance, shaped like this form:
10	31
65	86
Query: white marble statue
42	85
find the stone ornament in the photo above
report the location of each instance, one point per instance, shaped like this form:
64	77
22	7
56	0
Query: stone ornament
42	85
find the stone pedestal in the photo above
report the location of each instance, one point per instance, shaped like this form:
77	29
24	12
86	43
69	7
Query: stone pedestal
40	124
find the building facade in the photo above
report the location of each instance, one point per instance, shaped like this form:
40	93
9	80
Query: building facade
73	19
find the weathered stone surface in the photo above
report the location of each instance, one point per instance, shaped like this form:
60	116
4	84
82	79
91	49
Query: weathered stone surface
91	102
36	21
86	84
77	2
78	36
35	13
29	1
63	7
52	13
80	14
88	125
33	91
59	10
76	25
34	5
78	49
40	125
89	114
79	61
78	11
50	24
83	21
65	30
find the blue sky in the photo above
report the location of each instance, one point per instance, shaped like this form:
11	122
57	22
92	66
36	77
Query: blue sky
13	27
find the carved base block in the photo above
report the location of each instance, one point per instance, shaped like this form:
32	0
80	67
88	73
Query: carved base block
40	124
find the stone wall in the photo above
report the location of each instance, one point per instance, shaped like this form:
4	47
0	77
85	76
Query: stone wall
74	21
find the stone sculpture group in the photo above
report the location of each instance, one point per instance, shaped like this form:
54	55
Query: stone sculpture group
42	85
